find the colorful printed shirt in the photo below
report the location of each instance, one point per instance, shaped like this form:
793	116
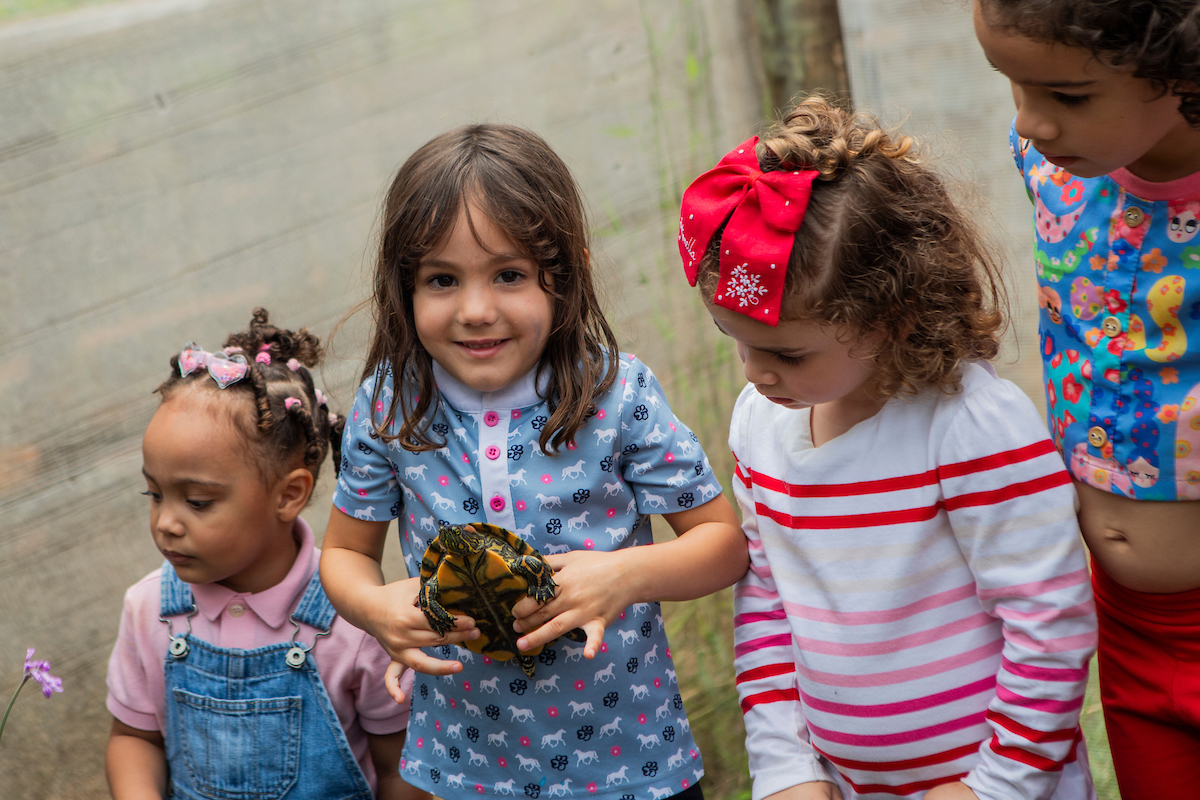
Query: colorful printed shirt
918	608
1118	266
613	727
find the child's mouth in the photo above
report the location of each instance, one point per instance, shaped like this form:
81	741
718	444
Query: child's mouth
482	347
176	558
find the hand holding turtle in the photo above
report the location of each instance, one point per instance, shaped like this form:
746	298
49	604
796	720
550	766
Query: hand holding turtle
404	630
593	590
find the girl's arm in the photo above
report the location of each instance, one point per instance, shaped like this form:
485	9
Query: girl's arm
595	587
135	763
353	580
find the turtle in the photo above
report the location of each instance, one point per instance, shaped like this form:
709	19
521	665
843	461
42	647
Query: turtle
482	570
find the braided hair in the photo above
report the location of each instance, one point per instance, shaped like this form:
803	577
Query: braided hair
287	415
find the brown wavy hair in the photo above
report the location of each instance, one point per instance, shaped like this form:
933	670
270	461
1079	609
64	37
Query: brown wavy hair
274	434
525	189
1159	39
882	250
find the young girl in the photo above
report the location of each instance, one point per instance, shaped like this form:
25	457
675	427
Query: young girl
231	676
917	618
493	392
1105	137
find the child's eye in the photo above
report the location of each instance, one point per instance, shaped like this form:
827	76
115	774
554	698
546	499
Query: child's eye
199	505
510	276
1070	99
790	361
441	281
154	496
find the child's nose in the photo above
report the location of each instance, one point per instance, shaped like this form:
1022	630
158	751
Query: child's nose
167	522
757	367
1032	120
477	306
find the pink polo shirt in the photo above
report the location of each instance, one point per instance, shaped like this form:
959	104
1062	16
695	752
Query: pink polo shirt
351	663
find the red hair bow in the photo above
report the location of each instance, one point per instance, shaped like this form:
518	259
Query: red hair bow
764	209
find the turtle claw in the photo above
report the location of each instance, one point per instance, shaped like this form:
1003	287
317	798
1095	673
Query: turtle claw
527	664
576	635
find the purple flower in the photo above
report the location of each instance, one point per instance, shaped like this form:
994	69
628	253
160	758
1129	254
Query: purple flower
40	672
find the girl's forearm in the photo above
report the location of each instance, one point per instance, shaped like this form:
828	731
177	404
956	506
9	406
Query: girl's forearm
351	580
706	559
136	767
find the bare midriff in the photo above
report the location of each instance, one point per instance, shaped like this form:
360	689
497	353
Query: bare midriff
1142	545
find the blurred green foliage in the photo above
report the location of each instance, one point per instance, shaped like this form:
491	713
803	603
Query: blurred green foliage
19	9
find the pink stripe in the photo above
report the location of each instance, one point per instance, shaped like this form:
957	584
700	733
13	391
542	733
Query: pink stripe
906	707
755	591
778	640
759	616
763	571
1082	641
980	620
1037	587
754	544
883	615
1085	609
989	650
1043	704
903	737
1033	673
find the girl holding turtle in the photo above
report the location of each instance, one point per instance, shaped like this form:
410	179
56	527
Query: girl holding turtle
494	392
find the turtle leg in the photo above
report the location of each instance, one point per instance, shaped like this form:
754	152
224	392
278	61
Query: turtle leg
539	575
576	635
527	663
439	618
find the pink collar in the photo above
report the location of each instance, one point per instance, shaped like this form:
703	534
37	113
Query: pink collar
1178	189
271	605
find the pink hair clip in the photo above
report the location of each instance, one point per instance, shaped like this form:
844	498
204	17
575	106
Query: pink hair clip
224	368
290	403
332	418
321	399
293	365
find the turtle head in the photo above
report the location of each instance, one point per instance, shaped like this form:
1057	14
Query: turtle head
461	540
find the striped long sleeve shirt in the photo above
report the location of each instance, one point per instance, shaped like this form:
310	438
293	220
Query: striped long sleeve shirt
918	608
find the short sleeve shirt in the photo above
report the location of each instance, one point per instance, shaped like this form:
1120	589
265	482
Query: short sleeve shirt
611	727
1118	265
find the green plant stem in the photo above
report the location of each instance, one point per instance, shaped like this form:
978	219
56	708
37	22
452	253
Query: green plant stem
4	721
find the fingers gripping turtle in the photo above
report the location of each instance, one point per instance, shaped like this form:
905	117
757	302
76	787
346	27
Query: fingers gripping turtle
482	570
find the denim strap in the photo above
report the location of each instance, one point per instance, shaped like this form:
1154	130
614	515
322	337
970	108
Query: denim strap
314	609
176	597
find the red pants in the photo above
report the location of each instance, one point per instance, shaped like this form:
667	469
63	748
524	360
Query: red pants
1149	657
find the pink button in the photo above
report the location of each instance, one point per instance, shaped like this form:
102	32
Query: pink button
492	452
497	503
491	418
516	413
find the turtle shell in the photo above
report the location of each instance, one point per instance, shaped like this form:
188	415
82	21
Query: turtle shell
482	571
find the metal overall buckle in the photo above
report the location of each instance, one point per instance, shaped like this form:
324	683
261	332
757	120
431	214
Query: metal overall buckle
179	646
298	653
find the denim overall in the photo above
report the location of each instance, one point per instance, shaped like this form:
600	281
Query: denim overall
253	724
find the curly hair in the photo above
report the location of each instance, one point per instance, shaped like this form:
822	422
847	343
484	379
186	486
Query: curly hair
274	434
525	189
882	250
1159	39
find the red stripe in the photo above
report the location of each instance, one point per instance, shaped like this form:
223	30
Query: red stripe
1032	734
903	789
759	616
878	518
1030	759
1026	453
766	671
845	489
1009	492
773	696
911	763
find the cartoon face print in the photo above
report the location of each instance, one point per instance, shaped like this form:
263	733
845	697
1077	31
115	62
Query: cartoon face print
1142	473
1183	221
1049	300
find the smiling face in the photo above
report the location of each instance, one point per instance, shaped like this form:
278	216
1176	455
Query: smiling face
479	309
211	515
1086	116
802	364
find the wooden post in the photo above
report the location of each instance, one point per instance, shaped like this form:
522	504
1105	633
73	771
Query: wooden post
800	48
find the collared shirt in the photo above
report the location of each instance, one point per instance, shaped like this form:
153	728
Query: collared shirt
1118	266
351	663
616	721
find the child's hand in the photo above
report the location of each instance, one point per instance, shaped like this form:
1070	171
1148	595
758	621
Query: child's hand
813	790
403	629
590	596
951	791
391	679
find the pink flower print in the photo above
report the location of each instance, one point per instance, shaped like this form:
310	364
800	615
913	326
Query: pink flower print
604	647
693	754
612	512
1154	261
672	426
600	414
437	725
547	479
668	651
356	415
622	615
466	459
466	686
379	407
479	788
520	505
589	544
684	783
403	761
552	712
591	788
524	741
579	685
657	682
453	703
669	457
1072	192
420	742
362	492
641	721
487	660
516	413
502	761
443	480
412	518
570	445
616	750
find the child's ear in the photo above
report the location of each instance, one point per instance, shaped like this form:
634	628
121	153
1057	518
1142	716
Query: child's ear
294	489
